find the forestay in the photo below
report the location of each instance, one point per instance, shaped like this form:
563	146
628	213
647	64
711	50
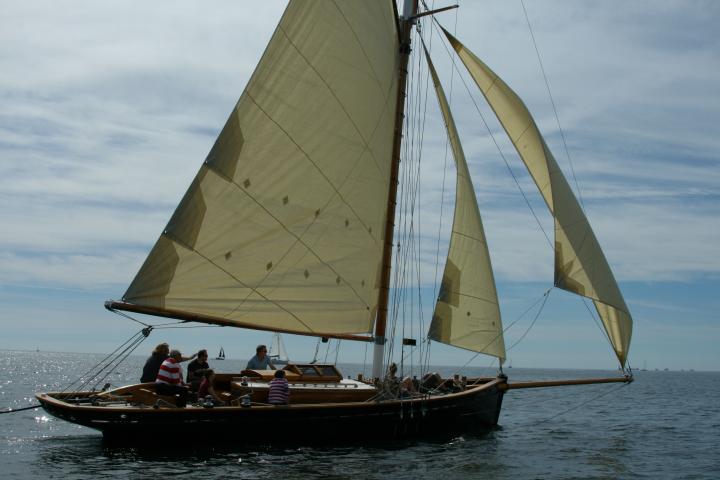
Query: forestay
467	313
283	226
580	265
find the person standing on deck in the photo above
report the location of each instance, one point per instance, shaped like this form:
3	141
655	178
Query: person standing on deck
260	361
170	379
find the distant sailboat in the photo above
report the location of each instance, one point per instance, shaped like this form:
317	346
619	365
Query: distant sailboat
221	354
278	354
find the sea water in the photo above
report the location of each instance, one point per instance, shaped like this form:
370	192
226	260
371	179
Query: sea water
663	425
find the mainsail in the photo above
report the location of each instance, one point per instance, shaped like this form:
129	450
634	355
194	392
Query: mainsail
467	313
283	226
580	265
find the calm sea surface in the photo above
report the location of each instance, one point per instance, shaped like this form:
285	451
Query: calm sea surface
664	425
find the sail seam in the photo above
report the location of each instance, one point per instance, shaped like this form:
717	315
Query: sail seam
298	239
317	168
469	236
340	104
492	302
240	282
357	39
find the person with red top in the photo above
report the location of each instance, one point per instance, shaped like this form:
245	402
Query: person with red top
169	380
206	388
279	390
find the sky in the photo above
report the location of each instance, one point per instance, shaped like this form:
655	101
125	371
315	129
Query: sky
107	110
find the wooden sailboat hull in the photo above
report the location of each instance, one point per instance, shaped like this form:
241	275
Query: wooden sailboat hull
474	410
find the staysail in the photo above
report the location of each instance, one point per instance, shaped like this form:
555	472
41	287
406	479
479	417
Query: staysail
283	226
467	313
580	265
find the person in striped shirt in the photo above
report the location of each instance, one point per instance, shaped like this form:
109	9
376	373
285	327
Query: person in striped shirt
169	380
279	391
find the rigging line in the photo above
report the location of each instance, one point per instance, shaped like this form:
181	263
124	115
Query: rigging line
598	323
442	193
112	365
497	145
123	314
108	366
337	351
400	274
364	370
168	326
160	325
543	299
327	350
133	338
426	361
575	407
552	101
410	186
118	363
155	326
537	315
317	349
426	92
414	192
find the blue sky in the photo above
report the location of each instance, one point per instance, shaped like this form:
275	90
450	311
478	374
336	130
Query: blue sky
108	109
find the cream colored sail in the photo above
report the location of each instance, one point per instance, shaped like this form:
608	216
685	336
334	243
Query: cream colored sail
283	225
580	265
467	313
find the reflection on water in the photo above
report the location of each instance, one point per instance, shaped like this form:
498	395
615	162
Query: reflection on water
86	457
665	425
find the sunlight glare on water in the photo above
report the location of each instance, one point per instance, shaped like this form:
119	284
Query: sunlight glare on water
660	426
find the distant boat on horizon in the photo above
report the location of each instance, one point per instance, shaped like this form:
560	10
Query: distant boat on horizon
221	354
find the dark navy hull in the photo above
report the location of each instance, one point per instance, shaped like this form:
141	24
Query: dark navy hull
473	410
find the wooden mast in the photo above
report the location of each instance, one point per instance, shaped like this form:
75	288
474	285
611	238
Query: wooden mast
405	25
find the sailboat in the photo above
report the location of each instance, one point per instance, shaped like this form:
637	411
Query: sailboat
289	227
221	354
277	353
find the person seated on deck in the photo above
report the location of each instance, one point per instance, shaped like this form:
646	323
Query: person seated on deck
169	379
207	389
260	361
152	365
279	390
431	382
396	387
196	370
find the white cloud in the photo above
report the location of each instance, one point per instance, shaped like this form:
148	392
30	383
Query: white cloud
108	110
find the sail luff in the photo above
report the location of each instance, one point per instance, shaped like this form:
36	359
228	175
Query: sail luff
467	312
580	264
